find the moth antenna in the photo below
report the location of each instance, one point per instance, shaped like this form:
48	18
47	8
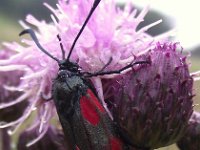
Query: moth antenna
35	39
95	4
61	46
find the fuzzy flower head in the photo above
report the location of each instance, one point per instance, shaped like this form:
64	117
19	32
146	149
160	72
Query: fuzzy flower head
110	33
153	103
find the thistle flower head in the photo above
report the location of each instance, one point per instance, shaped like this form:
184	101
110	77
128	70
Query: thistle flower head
153	103
110	33
191	138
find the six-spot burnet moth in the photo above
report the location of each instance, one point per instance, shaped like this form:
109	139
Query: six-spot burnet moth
84	120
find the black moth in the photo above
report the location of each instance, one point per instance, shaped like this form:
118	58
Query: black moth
85	122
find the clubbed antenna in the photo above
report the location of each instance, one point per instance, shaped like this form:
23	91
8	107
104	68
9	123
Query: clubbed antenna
95	4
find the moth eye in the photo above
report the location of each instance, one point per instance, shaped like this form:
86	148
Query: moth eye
62	76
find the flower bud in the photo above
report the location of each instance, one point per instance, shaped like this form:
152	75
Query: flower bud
152	103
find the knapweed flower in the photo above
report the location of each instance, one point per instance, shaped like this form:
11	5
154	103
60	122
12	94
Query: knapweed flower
110	33
191	139
54	139
152	103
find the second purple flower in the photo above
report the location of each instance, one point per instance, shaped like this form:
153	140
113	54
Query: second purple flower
152	103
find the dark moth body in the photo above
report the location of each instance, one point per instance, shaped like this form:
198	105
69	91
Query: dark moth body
84	120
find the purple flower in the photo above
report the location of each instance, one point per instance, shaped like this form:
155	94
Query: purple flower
153	103
111	32
191	140
9	111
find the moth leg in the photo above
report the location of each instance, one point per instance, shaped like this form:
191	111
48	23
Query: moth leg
106	65
88	75
102	69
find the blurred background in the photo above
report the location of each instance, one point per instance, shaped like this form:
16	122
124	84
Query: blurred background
176	14
12	11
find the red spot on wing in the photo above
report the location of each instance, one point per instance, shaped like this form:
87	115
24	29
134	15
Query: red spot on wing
116	144
91	107
77	148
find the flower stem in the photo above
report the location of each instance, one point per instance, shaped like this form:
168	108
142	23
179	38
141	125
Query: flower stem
5	138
